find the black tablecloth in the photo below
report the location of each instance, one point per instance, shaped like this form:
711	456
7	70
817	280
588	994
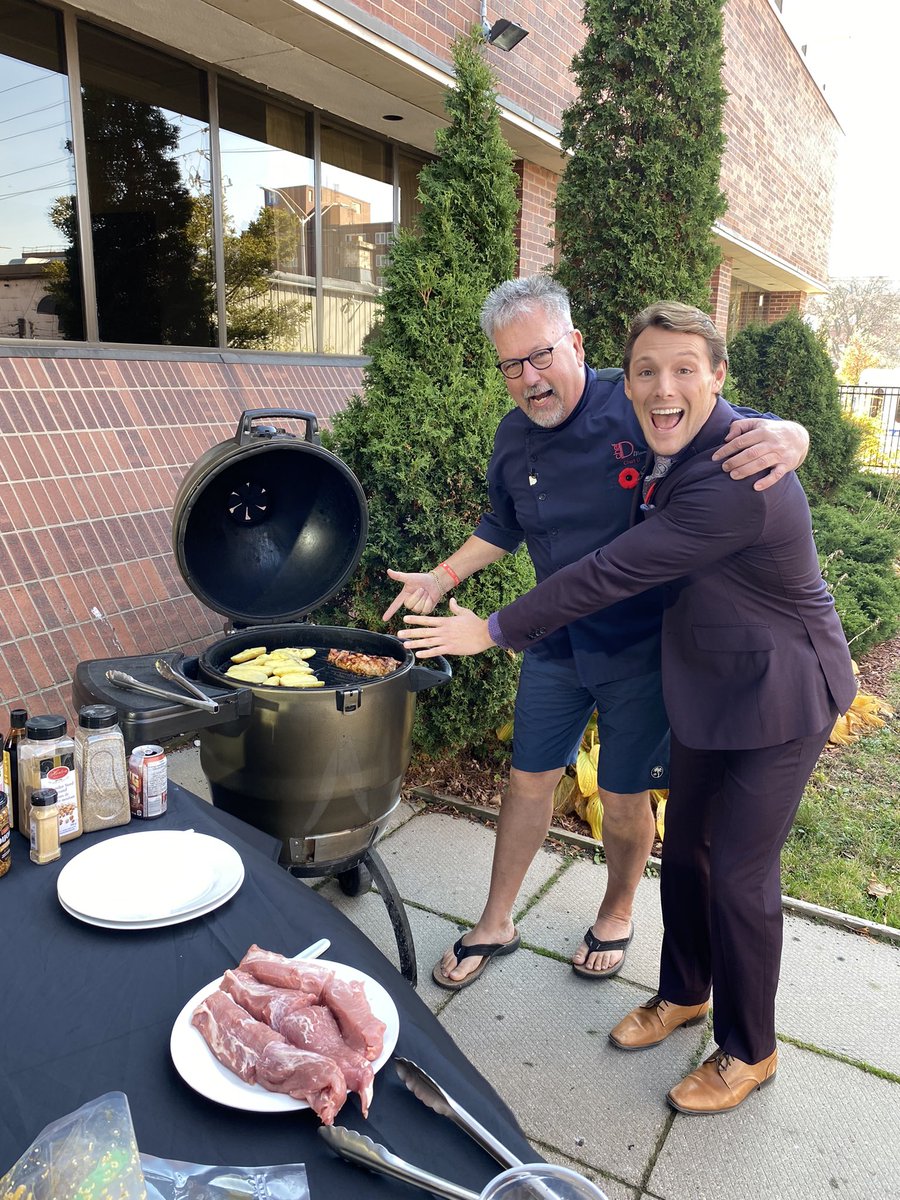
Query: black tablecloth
88	1010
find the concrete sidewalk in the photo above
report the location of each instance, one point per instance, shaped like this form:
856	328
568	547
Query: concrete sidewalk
828	1127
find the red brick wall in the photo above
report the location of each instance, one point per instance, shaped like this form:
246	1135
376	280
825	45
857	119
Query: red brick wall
765	308
535	74
778	170
91	455
537	197
720	289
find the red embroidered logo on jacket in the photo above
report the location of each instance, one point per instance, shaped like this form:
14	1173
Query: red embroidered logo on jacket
622	450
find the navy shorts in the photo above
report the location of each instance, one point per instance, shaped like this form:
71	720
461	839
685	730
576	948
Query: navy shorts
553	707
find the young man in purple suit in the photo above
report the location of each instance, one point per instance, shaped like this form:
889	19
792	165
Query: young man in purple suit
755	670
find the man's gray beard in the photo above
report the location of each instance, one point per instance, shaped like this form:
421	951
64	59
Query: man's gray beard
547	418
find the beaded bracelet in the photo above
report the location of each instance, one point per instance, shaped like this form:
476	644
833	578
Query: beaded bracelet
453	575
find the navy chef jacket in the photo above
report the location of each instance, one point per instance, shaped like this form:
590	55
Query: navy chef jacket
567	491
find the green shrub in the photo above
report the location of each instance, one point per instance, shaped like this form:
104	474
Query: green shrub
784	368
420	436
858	538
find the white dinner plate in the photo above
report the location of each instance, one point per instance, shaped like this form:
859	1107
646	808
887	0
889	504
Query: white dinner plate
148	876
160	922
201	1070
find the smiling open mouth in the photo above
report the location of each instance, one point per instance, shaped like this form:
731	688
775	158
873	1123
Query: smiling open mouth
666	419
540	397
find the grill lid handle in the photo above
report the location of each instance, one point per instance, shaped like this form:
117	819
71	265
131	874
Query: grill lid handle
244	432
421	678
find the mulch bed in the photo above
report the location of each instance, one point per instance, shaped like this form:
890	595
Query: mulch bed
464	777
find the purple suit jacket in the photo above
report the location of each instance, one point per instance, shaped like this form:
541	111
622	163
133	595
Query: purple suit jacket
753	653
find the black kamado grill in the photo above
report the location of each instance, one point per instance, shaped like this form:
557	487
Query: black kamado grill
266	527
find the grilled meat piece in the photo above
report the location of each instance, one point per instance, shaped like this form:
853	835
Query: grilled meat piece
362	664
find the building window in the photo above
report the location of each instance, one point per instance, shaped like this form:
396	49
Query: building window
280	257
37	171
357	204
146	133
268	201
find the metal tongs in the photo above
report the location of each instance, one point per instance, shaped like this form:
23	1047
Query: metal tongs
361	1150
424	1088
196	699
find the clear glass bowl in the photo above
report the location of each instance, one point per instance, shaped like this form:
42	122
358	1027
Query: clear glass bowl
541	1181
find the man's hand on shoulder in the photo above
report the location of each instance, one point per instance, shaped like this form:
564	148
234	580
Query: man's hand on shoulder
756	444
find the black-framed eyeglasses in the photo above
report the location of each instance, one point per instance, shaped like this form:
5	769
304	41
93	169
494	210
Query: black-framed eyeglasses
512	368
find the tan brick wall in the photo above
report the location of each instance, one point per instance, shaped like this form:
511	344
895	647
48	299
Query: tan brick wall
91	455
778	170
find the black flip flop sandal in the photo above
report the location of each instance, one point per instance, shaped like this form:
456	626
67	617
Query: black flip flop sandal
487	950
595	946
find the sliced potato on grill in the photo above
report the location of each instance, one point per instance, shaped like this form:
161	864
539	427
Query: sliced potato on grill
297	651
247	655
301	681
289	668
247	673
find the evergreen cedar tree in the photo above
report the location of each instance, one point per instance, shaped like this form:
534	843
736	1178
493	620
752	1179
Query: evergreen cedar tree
785	368
640	192
420	435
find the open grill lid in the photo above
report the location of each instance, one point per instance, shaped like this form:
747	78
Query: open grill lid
267	526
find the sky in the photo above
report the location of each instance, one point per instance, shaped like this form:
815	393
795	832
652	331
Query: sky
853	49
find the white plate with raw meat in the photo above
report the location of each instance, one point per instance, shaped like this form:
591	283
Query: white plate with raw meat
201	1070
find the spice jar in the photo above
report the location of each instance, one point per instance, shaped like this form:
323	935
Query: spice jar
5	849
44	823
47	760
101	767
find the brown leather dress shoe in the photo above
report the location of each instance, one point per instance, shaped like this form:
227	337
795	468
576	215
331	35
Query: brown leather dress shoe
652	1023
721	1083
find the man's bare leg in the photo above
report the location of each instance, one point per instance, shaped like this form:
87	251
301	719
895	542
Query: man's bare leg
521	828
628	832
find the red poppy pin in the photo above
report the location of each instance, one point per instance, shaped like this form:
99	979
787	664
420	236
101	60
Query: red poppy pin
629	477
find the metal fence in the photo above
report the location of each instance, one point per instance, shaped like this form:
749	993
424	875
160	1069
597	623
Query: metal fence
877	409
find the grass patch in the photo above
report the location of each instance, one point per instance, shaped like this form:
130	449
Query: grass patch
847	830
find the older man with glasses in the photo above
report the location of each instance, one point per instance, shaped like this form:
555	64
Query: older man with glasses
562	476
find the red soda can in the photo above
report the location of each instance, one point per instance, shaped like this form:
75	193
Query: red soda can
147	781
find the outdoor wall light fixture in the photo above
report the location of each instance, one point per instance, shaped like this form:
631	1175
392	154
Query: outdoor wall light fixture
504	34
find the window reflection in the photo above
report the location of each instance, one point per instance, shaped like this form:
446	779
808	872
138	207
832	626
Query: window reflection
306	242
37	173
147	142
267	181
410	205
357	226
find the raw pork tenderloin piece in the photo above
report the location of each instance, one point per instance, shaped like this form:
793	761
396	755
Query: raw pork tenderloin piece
313	1027
260	1055
258	997
275	969
310	1026
361	1029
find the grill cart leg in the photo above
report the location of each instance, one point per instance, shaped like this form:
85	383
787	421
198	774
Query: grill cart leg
355	882
396	911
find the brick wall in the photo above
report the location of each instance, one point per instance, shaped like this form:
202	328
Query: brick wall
765	308
778	170
537	197
91	455
720	291
535	74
